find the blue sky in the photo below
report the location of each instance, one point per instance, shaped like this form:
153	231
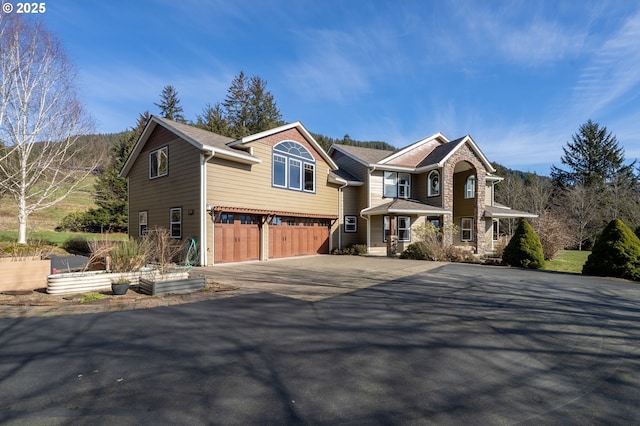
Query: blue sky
519	76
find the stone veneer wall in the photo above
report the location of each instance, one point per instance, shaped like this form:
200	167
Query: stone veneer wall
466	154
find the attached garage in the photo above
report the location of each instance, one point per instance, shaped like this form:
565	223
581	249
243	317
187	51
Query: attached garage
239	235
295	236
236	238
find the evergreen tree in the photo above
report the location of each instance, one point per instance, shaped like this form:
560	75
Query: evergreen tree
616	253
170	105
263	112
111	190
236	105
249	107
213	119
524	248
593	159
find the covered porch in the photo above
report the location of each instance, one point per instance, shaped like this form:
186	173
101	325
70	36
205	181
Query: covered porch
389	225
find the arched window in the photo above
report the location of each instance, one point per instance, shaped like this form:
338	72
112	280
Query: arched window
470	187
433	184
293	167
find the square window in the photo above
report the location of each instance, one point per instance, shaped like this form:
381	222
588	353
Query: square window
351	224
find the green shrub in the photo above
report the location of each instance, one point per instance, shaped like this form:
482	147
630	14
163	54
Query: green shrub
77	245
416	251
616	253
524	249
351	250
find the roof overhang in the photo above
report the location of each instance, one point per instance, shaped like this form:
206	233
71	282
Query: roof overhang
498	212
264	212
228	154
404	207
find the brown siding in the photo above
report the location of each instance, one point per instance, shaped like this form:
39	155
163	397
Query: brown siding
180	188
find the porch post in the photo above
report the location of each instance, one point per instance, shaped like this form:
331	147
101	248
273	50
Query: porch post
392	240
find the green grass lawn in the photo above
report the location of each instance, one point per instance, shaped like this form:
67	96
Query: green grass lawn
568	261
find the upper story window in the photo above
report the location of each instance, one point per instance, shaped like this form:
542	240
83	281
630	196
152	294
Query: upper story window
470	187
293	167
397	185
159	162
433	184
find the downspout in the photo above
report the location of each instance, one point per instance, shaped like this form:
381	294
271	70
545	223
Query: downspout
340	212
204	158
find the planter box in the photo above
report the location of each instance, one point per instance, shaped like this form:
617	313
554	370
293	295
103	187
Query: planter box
82	282
172	284
23	273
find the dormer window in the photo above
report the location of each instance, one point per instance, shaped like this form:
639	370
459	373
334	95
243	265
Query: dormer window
470	187
397	185
433	184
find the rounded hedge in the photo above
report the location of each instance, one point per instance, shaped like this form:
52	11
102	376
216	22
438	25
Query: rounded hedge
524	249
616	253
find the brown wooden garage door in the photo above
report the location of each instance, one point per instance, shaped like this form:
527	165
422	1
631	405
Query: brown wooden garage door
296	236
237	238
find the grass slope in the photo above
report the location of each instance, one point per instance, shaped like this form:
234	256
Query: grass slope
568	261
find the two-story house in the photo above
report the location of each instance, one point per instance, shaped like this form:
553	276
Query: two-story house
279	194
434	179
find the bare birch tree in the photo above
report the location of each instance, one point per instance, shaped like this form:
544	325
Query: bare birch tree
41	119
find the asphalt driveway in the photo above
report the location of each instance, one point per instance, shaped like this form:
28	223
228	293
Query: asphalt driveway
459	344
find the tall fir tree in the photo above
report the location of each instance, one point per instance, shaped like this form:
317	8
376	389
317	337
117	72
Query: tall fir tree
111	195
236	105
170	105
593	159
249	107
213	119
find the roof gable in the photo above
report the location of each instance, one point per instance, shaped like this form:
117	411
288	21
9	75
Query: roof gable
412	155
204	140
295	125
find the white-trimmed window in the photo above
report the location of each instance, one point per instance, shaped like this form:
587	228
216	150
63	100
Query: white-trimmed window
397	185
143	223
175	222
470	187
404	185
294	167
279	171
159	162
403	228
466	229
433	184
496	230
390	184
351	224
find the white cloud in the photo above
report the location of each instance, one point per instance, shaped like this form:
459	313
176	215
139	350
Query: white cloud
612	75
